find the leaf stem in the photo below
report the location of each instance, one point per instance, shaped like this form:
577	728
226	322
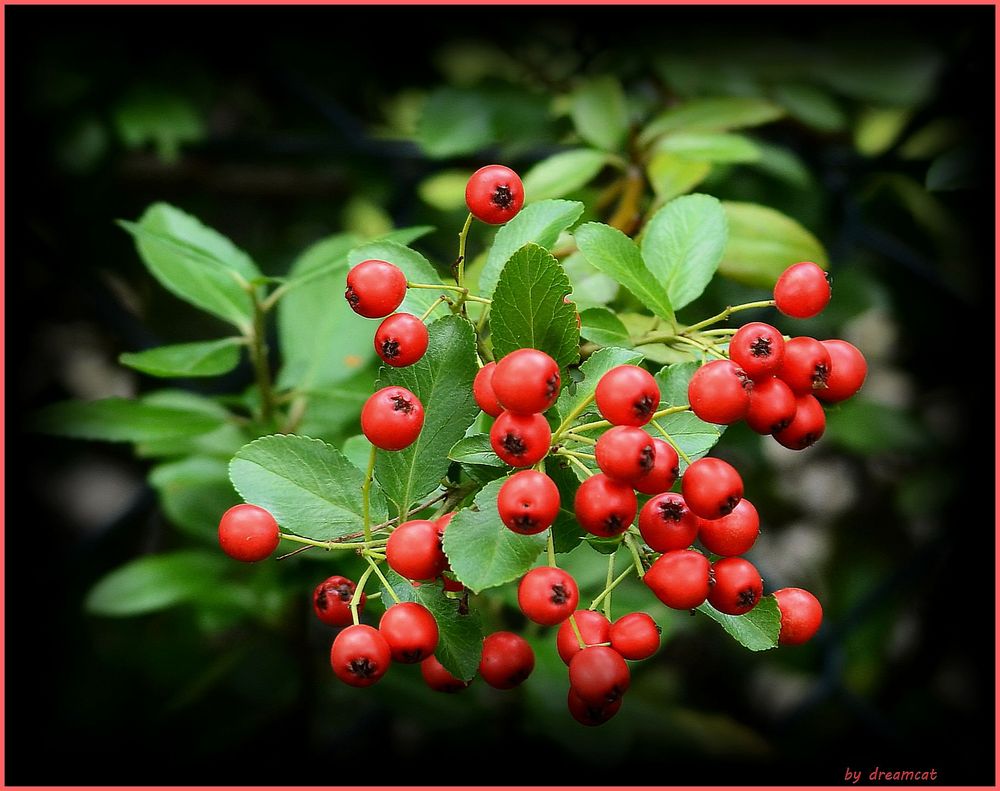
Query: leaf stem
381	576
460	262
607	585
611	586
434	304
672	442
333	543
574	413
551	549
569	435
463	292
575	461
366	495
576	630
726	313
358	591
630	543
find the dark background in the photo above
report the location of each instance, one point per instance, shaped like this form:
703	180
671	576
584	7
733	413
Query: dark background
83	704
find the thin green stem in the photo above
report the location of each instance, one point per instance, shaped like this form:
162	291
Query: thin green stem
576	630
462	237
434	304
365	495
573	415
591	426
671	410
258	356
463	292
698	345
296	412
672	441
577	462
634	549
569	435
358	591
721	331
726	313
607	585
381	576
348	545
551	549
578	454
614	584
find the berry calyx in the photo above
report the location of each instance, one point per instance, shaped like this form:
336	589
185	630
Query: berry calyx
248	533
599	675
635	636
627	395
438	678
392	418
494	194
414	550
757	348
375	288
802	291
547	595
665	469
737	588
625	454
410	630
507	660
594	628
528	502
806	366
711	487
806	427
604	507
482	391
666	523
520	440
332	600
848	370
772	406
526	381
360	656
680	579
401	339
719	392
801	615
732	534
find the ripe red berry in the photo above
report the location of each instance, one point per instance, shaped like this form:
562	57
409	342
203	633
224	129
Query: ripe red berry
248	533
627	395
392	418
585	714
806	367
414	550
439	678
625	454
635	636
665	470
482	391
547	595
806	427
667	523
599	675
604	507
848	370
719	392
737	588
757	348
494	194
594	628
520	440
528	502
526	381
401	339
802	291
772	406
332	600
410	630
360	656
375	288
711	487
507	660
680	579
801	615
732	534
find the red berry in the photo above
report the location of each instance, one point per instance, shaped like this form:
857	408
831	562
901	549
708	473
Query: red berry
401	339
586	714
599	675
625	454
248	533
507	660
526	381
667	523
494	194
520	440
732	534
375	288
635	636
806	366
594	628
680	579
547	595
627	396
528	502
414	550
737	588
719	392
410	630
848	370
482	391
392	418
604	507
665	470
360	656
802	291
332	600
711	487
757	348
438	678
801	615
806	427
772	406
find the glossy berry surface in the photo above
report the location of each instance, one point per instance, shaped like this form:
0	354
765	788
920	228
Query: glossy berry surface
360	656
593	626
332	600
547	595
732	534
528	502
526	381
737	588
802	291
375	288
719	392
757	348
411	632
801	615
680	579
248	533
392	417
520	440
507	660
625	453
665	470
666	523
494	194
482	391
627	396
401	339
586	714
635	636
604	507
599	675
806	427
711	487
848	369
806	367
772	406
414	550
438	678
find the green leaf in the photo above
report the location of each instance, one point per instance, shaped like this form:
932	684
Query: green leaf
456	121
671	175
163	119
673	381
590	286
205	358
195	262
483	552
613	253
156	582
709	147
877	128
595	366
784	164
475	450
763	243
812	106
308	485
600	112
683	244
529	308
444	190
406	235
691	434
566	531
442	380
563	173
357	450
336	408
733	112
869	428
460	640
602	326
540	223
756	630
194	493
123	420
953	170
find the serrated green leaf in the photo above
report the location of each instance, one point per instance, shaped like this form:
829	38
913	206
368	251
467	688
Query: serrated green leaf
123	420
204	358
483	552
756	630
540	223
613	253
194	493
595	366
442	380
763	243
529	308
308	485
562	173
673	381
720	147
602	326
475	450
732	112
456	121
671	175
600	112
683	244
